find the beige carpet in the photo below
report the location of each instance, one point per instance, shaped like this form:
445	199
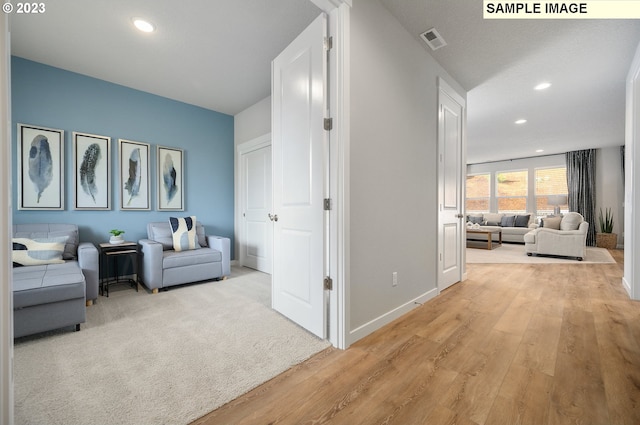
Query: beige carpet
514	253
158	359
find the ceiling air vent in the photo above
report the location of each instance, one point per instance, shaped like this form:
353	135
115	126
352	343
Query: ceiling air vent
433	39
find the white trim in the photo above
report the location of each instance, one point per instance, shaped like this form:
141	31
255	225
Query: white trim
380	321
6	196
442	84
626	286
328	6
630	281
255	144
338	69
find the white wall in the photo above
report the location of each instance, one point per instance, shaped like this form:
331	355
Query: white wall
610	189
253	122
393	175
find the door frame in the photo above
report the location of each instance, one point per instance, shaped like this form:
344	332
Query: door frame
338	70
444	87
630	280
6	294
242	149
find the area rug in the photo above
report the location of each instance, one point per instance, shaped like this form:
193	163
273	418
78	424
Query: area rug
167	358
515	253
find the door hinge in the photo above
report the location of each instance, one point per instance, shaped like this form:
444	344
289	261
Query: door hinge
327	204
328	283
328	124
328	43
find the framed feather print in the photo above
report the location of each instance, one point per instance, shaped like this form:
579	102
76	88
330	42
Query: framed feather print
92	166
170	182
40	168
134	176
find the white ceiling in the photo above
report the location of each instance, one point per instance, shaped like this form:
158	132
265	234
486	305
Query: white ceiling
212	53
500	61
217	54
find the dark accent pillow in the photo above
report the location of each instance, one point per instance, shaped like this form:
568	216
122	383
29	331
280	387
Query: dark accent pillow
522	220
475	219
508	221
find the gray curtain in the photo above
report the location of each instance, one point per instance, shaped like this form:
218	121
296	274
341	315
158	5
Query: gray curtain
581	182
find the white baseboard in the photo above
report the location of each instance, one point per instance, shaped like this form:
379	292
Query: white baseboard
627	287
389	317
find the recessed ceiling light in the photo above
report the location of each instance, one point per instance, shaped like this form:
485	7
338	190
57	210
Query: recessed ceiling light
539	150
143	25
542	86
521	121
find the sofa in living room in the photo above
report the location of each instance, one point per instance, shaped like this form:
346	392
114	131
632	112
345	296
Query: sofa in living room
55	276
513	226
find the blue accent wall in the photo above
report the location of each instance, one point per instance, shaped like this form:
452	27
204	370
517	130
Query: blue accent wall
51	97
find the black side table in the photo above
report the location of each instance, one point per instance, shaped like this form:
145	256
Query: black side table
110	256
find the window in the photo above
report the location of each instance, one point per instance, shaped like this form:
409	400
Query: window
511	191
478	193
551	190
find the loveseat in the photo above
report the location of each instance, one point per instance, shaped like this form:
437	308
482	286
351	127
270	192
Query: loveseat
513	226
559	236
163	266
53	292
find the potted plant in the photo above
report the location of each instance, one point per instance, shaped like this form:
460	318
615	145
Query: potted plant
116	237
606	238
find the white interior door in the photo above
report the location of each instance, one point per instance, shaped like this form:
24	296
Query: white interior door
256	191
298	139
451	230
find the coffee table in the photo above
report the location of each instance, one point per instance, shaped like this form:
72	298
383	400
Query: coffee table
488	234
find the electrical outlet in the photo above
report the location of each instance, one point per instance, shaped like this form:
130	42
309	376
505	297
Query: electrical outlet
395	279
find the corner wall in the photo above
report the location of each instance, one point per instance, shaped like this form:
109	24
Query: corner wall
393	170
610	189
55	98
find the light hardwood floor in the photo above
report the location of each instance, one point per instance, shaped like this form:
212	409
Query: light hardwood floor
514	344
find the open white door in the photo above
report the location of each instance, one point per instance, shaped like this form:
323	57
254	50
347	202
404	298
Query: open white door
451	229
298	140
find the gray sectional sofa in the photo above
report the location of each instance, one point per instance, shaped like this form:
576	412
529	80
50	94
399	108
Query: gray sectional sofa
52	296
513	226
162	266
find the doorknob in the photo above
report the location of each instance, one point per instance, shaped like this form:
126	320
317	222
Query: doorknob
460	215
273	217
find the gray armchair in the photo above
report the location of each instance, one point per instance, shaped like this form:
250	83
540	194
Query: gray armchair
161	266
568	241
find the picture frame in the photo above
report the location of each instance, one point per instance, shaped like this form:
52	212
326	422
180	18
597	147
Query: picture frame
40	168
133	159
170	179
92	171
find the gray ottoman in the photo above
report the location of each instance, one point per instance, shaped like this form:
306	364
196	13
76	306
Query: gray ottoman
48	297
